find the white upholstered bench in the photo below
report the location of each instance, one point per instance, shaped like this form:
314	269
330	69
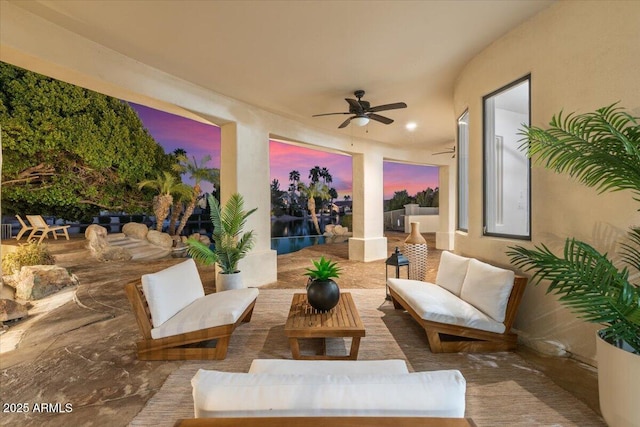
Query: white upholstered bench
300	389
471	307
174	314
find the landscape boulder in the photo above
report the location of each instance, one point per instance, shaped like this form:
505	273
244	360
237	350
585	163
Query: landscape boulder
100	247
160	239
135	230
11	310
38	281
340	230
203	238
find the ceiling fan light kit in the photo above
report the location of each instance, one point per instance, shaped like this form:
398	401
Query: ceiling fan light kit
362	111
360	120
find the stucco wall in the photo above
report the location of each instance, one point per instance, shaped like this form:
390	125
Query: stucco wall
582	55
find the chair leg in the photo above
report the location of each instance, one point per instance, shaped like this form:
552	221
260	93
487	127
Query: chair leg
434	341
396	304
247	318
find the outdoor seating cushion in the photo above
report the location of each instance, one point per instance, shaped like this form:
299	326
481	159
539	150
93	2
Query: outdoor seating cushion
488	288
170	290
221	308
431	302
224	394
324	367
452	270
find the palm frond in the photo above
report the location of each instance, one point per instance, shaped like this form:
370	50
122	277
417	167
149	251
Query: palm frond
600	149
588	283
201	252
630	252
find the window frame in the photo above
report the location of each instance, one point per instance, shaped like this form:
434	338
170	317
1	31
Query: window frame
459	153
526	78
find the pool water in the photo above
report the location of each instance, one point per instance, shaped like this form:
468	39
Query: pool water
286	245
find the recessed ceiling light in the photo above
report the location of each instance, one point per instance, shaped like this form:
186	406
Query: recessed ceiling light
411	126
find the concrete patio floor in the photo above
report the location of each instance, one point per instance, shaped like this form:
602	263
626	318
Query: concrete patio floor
84	347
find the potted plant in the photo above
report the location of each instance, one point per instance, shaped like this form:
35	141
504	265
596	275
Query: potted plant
230	245
322	292
602	150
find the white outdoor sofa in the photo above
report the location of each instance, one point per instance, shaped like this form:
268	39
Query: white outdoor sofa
471	307
321	393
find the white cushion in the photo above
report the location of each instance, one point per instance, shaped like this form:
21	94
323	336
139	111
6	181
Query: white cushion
431	302
224	394
452	271
170	290
324	367
223	308
488	288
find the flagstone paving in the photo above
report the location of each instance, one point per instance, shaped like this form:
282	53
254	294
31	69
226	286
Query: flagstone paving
80	348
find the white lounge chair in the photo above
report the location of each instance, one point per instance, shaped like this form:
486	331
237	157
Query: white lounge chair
24	228
176	318
41	226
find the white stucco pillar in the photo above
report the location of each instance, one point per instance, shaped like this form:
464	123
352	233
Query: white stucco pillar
245	169
445	236
368	242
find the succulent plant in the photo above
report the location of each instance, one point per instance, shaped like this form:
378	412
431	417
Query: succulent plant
324	269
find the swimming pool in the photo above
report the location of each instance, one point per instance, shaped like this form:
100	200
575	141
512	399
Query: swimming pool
286	245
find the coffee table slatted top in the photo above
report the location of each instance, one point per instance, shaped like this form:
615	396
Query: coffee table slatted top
306	322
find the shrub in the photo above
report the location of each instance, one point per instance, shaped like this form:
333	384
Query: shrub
347	221
30	253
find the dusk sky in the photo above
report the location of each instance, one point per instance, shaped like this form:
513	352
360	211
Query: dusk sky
199	139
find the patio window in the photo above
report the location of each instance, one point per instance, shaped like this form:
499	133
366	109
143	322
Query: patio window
507	201
463	171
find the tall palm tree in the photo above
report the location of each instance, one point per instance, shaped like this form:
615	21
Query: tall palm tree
314	174
198	171
167	185
313	190
294	176
326	176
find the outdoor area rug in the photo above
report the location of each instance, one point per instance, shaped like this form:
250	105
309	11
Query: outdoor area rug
502	388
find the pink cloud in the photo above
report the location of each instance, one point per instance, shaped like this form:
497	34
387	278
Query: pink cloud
285	158
199	139
413	178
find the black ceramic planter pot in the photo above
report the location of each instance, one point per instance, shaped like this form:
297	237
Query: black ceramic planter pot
323	295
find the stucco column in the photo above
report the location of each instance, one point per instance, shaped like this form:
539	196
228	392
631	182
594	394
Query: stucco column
445	237
368	242
244	168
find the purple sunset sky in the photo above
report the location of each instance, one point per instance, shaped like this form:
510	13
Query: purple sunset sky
199	139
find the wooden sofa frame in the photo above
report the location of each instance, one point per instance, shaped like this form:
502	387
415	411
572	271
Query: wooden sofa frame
181	346
327	421
446	338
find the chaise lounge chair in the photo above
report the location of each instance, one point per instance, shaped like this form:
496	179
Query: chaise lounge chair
41	226
24	228
178	321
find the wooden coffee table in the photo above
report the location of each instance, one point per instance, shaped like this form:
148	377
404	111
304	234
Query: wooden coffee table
306	322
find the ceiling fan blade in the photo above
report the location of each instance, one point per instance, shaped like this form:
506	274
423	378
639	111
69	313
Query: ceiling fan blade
386	107
345	123
381	119
355	105
327	114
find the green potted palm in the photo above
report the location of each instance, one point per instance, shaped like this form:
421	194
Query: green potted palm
322	292
601	150
230	245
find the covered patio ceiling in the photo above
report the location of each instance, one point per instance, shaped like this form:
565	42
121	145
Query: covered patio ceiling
298	59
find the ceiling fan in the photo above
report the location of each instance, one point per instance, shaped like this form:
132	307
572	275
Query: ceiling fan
363	111
451	150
